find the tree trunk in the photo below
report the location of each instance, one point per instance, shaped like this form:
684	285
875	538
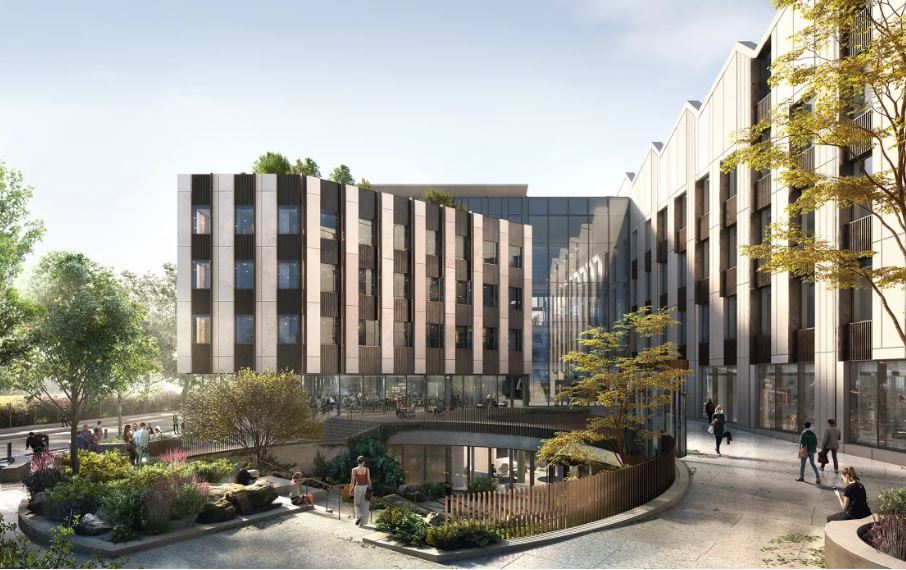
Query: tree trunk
74	418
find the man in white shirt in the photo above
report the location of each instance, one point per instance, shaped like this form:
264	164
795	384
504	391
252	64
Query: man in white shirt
141	439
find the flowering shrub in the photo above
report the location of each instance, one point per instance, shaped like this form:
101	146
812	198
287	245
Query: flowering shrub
174	456
44	460
888	535
159	506
190	498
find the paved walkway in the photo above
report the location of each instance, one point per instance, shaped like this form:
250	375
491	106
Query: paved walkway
736	505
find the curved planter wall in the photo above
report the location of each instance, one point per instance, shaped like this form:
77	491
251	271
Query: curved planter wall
844	549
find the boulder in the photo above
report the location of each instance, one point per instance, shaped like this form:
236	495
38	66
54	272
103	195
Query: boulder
36	504
92	525
250	499
216	510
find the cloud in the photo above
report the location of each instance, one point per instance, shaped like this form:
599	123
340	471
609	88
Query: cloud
693	34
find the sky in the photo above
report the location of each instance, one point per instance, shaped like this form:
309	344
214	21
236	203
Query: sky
102	104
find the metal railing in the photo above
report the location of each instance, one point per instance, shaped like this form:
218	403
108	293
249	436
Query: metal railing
763	191
858	336
859	234
862	124
763	108
860	33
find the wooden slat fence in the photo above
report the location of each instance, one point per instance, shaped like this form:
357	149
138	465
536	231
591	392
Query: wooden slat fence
544	508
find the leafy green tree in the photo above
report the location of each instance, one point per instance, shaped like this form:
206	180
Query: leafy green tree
438	198
851	102
630	388
257	410
88	337
271	163
306	167
342	175
156	292
18	235
365	184
386	472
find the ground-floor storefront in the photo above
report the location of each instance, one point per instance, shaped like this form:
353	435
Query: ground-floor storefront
461	464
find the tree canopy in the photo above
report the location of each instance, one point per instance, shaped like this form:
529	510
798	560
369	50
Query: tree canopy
342	175
438	198
271	163
306	167
854	103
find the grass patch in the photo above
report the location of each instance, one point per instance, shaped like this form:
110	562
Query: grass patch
791	550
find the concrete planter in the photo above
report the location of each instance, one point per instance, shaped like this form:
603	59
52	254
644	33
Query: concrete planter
843	547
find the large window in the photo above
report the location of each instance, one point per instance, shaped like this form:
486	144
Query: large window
433	243
807	304
288	275
367	282
515	340
288	329
201	220
245	220
463	337
489	295
704	323
329	224
329	278
370	333
490	338
681	269
435	288
515	256
245	329
201	274
201	325
400	237
786	396
435	336
366	232
877	403
464	292
462	247
402	334
401	285
245	275
489	249
516	298
719	384
288	220
730	317
329	330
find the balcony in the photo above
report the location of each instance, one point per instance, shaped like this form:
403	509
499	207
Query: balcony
730	352
763	109
728	212
763	192
701	291
728	282
761	278
761	349
861	122
860	33
858	340
680	240
662	251
701	230
807	158
804	347
704	357
858	234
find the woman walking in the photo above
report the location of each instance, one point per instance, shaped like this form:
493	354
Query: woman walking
718	422
361	487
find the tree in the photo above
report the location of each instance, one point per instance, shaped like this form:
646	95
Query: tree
157	294
271	163
365	184
308	167
628	387
257	410
342	175
438	198
87	338
839	103
18	235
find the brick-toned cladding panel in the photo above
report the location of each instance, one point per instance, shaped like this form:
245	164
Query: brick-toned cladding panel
298	247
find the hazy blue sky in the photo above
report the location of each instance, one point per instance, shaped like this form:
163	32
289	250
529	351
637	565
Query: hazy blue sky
103	103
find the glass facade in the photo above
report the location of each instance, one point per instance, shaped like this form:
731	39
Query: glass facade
719	385
877	404
786	396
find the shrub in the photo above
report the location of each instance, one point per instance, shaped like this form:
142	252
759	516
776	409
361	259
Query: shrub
174	455
321	466
190	498
462	534
17	551
150	475
158	502
45	460
431	489
386	472
403	525
888	535
892	501
107	466
77	496
481	485
123	505
39	481
212	471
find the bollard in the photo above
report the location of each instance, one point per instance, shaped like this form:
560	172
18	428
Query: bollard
9	451
105	433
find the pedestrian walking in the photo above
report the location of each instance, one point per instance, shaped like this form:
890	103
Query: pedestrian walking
709	410
360	481
830	443
853	499
808	444
175	422
130	442
448	493
34	442
718	428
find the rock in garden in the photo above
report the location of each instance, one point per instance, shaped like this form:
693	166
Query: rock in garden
216	510
250	499
91	525
36	504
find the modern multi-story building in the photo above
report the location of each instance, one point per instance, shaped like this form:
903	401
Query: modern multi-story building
373	298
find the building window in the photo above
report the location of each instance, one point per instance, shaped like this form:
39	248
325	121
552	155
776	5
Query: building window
435	336
435	288
328	278
201	220
490	338
245	329
400	237
463	337
329	224
366	232
730	317
288	329
201	274
786	396
515	298
464	292
681	269
402	334
401	285
288	275
807	303
704	323
515	340
489	249
329	328
683	327
462	247
288	220
202	329
367	283
369	333
245	220
245	275
515	256
433	245
489	295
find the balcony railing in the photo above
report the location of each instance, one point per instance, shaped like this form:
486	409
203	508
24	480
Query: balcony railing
763	192
761	278
701	291
858	340
761	349
861	122
728	217
662	251
807	158
680	244
702	227
805	345
859	234
728	282
860	33
763	108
